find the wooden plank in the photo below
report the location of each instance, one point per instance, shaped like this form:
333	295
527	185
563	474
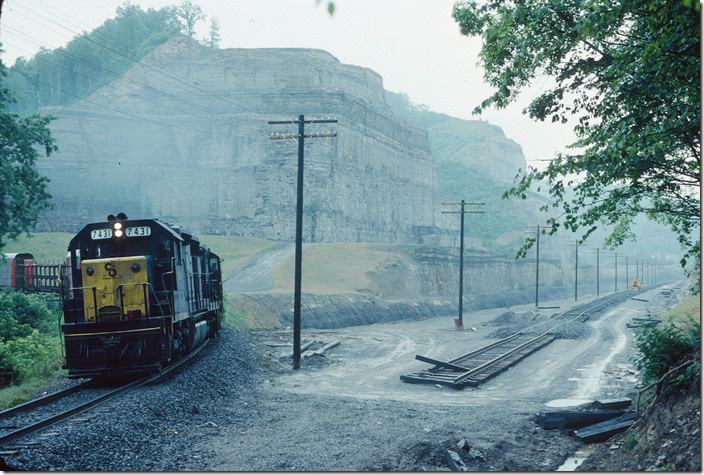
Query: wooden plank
574	419
621	403
604	430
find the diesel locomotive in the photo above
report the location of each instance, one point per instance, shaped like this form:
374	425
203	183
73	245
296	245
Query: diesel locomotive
141	294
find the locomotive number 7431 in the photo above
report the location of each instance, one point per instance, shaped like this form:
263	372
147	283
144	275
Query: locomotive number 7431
138	231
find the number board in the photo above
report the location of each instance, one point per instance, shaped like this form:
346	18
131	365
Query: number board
101	234
138	231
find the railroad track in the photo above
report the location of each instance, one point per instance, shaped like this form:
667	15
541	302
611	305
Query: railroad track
480	365
36	415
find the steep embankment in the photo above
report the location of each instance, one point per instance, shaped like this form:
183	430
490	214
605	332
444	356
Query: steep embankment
668	437
209	163
477	162
355	284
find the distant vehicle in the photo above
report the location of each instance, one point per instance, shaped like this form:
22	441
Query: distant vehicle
634	284
16	270
144	293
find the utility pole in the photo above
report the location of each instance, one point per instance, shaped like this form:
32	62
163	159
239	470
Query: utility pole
627	276
642	272
576	265
299	220
597	270
616	272
459	324
537	258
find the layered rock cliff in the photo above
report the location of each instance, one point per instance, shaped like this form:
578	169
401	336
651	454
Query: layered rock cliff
183	135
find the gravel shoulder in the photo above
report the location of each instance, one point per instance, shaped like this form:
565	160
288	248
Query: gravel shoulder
239	406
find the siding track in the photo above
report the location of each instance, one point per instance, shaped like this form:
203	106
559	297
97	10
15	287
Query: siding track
480	365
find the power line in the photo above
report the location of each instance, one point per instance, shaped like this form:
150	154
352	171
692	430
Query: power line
459	324
109	85
172	96
299	224
119	111
132	59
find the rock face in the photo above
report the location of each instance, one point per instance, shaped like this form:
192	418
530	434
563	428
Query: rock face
183	136
477	144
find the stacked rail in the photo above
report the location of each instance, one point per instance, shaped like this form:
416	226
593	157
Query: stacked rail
482	364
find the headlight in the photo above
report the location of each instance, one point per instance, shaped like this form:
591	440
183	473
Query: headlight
136	267
118	233
90	270
117	225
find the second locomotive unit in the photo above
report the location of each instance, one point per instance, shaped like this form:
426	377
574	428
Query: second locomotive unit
142	294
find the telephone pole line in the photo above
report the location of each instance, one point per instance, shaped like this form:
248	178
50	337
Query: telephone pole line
299	219
459	324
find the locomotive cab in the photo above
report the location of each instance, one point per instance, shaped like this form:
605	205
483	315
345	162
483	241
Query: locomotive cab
140	297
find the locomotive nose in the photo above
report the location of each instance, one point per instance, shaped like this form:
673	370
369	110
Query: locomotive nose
119	288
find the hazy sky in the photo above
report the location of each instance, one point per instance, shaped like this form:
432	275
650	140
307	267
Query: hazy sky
414	44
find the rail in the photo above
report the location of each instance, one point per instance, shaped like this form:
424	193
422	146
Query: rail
44	423
473	368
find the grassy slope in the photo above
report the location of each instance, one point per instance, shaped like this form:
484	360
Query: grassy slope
335	268
689	311
42	245
235	250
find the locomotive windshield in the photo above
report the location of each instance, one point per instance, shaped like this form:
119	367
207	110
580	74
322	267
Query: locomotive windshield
116	248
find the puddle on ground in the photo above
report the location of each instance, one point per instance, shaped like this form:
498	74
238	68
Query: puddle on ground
576	460
567	402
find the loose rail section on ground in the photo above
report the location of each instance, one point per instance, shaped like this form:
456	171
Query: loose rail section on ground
480	365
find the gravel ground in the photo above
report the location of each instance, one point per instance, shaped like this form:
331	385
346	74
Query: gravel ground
153	427
238	407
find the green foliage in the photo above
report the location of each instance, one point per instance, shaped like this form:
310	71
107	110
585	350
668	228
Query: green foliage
331	7
454	145
23	191
32	356
662	349
628	74
187	15
629	442
457	179
21	313
90	60
29	337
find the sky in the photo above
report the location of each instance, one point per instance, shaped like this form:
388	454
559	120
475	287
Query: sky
415	45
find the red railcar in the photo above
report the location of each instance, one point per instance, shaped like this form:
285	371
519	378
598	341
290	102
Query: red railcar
17	270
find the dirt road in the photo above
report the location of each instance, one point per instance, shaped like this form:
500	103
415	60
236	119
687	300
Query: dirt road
350	411
256	275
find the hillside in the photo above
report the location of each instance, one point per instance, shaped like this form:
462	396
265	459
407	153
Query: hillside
477	162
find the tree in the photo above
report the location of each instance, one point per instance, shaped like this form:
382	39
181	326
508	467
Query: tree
627	73
214	39
89	60
23	191
188	15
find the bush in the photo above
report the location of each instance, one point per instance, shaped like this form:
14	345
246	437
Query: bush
33	356
20	313
662	349
29	337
